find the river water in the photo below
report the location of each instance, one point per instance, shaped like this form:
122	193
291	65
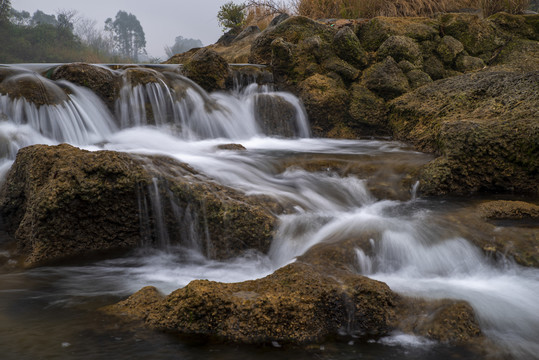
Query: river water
338	190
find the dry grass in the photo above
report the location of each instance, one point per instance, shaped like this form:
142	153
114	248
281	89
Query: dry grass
370	8
490	7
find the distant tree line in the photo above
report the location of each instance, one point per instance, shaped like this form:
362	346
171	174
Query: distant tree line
66	37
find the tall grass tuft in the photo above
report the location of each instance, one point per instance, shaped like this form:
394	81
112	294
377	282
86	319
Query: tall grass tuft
490	7
370	8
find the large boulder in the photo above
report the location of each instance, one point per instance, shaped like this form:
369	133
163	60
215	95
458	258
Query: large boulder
101	80
379	29
325	99
482	125
33	88
208	69
316	298
386	79
50	188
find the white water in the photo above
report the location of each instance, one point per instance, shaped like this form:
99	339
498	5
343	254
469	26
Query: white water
412	255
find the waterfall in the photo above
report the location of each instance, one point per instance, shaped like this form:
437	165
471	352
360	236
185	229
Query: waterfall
160	112
60	111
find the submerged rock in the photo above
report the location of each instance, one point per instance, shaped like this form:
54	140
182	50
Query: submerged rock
50	188
512	210
504	230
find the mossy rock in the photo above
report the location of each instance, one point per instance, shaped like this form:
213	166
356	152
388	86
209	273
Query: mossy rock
466	63
434	67
418	78
386	79
378	29
293	30
346	71
309	301
484	127
368	111
449	48
33	88
50	188
400	48
524	26
348	48
502	229
208	69
275	115
324	99
102	81
478	36
518	55
509	210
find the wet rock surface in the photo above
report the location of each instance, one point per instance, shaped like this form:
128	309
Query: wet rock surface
503	229
208	69
316	298
50	188
101	80
482	145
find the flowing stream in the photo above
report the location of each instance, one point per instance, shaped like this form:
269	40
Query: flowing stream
49	312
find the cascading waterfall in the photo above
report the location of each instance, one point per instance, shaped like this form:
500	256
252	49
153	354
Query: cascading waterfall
172	116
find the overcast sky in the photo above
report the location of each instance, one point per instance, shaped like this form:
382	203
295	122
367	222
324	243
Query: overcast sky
162	20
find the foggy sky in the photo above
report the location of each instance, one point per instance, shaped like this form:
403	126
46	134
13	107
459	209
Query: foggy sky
162	20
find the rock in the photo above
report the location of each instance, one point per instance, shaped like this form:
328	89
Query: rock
446	321
275	115
49	188
293	30
524	26
33	88
140	76
346	71
234	147
504	230
367	110
512	210
434	68
227	38
246	74
483	125
297	304
324	99
377	30
465	63
400	48
316	298
418	78
208	69
449	48
102	81
278	19
518	55
478	36
348	48
406	66
249	31
386	79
